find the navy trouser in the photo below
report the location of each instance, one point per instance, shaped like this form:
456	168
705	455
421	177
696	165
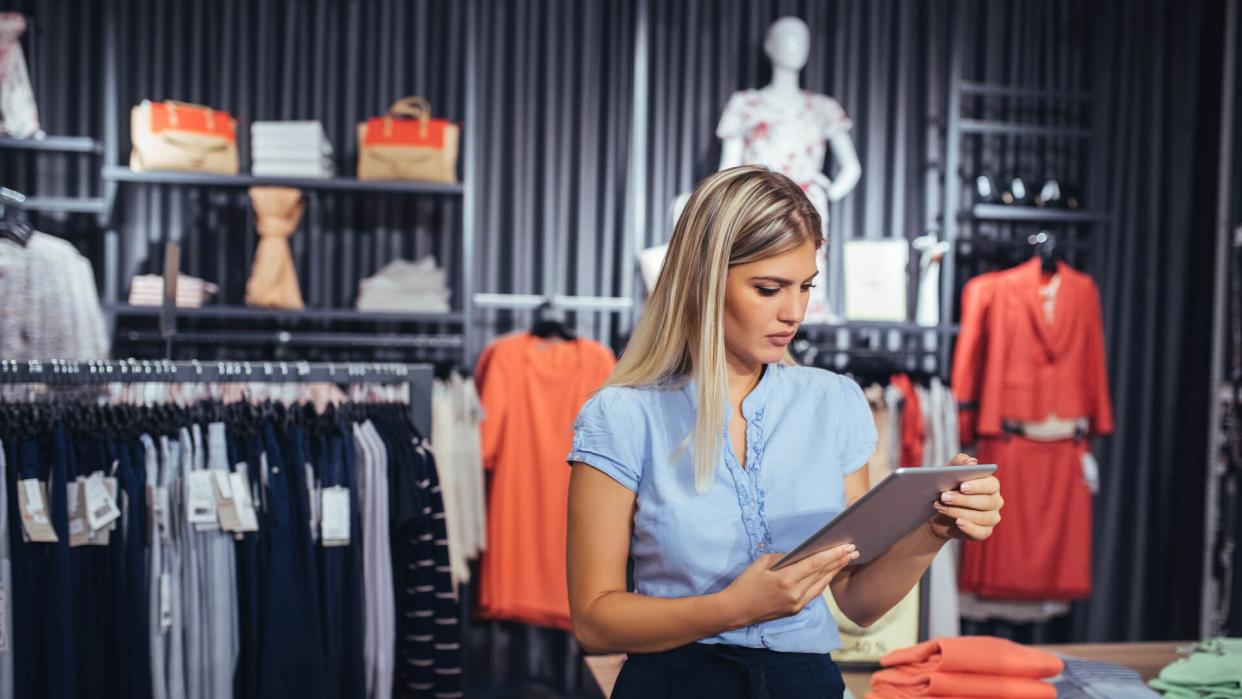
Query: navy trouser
716	671
94	595
340	575
130	560
291	647
248	450
29	576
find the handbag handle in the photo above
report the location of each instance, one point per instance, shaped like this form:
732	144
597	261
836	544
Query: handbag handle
417	107
172	112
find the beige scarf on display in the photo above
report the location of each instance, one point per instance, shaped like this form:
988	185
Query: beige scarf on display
274	279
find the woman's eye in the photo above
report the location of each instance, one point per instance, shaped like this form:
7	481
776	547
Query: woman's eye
808	287
767	291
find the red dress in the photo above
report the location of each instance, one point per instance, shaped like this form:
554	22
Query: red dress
531	390
1027	370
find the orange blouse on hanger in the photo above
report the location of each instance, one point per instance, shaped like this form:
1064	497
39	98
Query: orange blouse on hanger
1033	368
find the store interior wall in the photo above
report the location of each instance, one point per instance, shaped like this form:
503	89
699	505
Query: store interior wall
556	102
1158	81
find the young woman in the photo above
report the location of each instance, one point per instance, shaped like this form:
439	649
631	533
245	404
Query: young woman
709	452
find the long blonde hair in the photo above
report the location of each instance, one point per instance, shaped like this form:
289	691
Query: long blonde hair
735	216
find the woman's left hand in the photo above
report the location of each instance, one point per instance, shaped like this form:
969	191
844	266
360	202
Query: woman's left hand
970	511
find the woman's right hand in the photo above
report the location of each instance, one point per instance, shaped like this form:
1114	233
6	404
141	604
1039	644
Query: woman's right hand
760	594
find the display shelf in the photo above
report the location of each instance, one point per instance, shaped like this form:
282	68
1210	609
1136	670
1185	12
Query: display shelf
285	337
71	205
1001	212
1001	90
116	173
979	126
273	314
53	144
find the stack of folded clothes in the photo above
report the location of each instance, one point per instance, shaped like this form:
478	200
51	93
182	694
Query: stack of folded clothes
1212	670
405	287
970	666
290	149
148	290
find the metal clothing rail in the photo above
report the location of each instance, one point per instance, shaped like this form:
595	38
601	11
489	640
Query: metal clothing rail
60	372
569	303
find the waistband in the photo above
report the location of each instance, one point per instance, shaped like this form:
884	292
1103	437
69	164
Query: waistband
751	664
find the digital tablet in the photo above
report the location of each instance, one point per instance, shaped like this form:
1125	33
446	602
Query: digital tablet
900	503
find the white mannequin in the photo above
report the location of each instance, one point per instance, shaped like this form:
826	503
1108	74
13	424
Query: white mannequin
787	45
791	130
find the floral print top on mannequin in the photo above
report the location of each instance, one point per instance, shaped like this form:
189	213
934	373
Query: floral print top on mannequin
791	138
18	116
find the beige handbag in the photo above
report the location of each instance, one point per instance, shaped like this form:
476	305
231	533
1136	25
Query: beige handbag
415	148
181	136
273	280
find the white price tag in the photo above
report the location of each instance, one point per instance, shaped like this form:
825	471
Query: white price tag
335	530
34	495
224	484
31	497
243	502
200	498
101	508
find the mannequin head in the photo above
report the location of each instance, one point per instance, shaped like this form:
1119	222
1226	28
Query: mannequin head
788	42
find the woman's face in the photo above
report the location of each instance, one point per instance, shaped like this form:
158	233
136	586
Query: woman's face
764	304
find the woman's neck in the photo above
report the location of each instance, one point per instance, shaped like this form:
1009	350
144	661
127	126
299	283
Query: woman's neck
784	82
742	377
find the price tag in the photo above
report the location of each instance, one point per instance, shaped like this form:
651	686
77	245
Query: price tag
201	499
335	528
242	501
101	509
79	534
35	523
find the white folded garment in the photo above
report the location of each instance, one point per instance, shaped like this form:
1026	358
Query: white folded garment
262	150
148	290
288	129
405	286
310	170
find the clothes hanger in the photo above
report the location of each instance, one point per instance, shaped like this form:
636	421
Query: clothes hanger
549	324
1045	244
14	220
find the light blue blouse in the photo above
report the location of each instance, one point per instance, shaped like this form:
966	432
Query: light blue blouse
806	429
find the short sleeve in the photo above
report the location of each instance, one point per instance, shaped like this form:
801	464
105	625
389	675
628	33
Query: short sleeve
494	401
855	427
831	117
735	118
607	437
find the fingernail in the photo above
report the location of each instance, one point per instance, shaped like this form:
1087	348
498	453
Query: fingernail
851	547
938	506
947	497
960	522
966	487
854	555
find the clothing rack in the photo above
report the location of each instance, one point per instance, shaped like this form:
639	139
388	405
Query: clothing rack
606	304
61	372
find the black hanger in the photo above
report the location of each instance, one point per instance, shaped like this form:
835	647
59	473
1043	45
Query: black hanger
548	323
1045	243
14	220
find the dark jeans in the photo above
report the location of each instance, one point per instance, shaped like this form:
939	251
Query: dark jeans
715	671
291	649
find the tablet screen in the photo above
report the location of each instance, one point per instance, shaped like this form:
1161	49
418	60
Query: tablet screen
892	509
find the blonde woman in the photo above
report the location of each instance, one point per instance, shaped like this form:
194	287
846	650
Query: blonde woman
709	452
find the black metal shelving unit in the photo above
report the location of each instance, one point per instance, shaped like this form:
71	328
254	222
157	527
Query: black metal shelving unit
117	173
65	145
242	325
957	217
